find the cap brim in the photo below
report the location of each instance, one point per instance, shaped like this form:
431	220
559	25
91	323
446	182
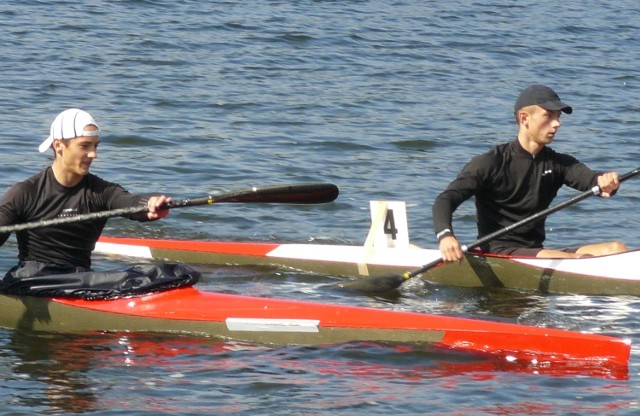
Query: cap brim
45	145
557	105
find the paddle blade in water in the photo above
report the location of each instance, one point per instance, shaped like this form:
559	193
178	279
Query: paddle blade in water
374	285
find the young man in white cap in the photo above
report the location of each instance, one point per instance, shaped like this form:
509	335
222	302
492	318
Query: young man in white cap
518	179
66	188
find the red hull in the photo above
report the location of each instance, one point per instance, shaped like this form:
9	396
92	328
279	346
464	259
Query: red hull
276	320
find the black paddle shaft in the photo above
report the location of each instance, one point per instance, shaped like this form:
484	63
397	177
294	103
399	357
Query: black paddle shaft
312	193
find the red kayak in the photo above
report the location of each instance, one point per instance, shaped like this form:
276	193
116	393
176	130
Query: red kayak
278	321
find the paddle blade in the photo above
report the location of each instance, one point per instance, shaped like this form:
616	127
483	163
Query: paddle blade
374	285
311	193
381	284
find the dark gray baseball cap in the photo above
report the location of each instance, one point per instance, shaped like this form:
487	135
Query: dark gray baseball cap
543	96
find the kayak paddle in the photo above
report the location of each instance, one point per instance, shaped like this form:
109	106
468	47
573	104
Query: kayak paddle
381	284
311	193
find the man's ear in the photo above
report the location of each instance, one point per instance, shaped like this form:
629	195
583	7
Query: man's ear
523	118
57	146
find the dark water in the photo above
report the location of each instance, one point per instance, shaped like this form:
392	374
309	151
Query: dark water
385	99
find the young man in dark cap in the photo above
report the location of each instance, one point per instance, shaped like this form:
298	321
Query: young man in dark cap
518	179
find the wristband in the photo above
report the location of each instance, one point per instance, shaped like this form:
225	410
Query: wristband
443	233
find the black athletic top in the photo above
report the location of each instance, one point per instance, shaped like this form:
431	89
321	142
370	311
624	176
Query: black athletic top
41	197
510	184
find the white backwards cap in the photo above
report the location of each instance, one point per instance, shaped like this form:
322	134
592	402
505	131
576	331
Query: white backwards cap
68	125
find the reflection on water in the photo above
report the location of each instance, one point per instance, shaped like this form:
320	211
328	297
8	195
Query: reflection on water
59	364
504	303
82	373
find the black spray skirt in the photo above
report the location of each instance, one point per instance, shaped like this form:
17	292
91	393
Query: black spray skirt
41	279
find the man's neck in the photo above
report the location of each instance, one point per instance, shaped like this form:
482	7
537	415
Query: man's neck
529	145
63	176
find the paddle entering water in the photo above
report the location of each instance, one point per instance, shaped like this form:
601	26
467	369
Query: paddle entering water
382	284
310	193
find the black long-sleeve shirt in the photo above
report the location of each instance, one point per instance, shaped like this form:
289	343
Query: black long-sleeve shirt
510	184
41	197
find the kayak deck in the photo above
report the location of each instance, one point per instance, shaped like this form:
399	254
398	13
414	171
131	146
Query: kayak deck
617	274
278	321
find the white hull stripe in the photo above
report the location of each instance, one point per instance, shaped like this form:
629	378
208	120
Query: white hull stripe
272	325
410	258
625	266
124	250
